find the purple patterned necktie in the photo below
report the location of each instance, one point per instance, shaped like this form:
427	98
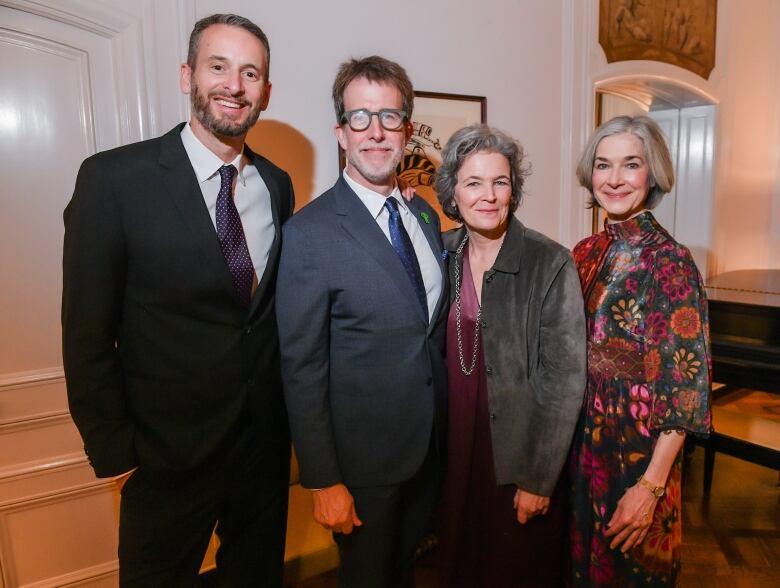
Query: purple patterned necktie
231	236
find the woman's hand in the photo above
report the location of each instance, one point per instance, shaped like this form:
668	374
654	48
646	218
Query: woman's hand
632	518
634	511
406	189
529	505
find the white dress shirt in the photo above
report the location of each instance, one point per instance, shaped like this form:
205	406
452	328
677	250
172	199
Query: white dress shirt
251	195
429	265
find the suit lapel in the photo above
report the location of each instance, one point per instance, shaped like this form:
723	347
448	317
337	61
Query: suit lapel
275	190
182	186
358	223
433	236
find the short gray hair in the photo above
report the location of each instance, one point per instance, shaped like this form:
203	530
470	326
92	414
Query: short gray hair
232	20
478	138
656	153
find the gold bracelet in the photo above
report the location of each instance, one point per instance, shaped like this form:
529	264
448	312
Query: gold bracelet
658	491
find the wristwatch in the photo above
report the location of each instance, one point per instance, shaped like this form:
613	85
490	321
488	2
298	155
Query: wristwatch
658	491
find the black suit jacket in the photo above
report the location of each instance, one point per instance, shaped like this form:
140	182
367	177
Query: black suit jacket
163	363
363	370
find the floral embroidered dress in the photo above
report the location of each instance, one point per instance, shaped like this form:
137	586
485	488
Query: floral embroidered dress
648	371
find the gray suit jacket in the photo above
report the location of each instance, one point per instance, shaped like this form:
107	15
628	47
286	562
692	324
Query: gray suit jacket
533	321
363	371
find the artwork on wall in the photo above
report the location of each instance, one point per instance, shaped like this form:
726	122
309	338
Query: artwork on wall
435	118
680	32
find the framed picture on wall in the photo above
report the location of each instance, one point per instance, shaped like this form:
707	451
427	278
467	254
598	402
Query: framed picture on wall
435	118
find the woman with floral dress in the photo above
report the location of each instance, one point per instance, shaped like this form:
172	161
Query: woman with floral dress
648	367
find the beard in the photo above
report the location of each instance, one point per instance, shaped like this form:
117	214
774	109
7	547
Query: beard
224	127
376	174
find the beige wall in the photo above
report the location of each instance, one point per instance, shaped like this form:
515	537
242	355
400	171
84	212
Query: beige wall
507	50
538	63
747	205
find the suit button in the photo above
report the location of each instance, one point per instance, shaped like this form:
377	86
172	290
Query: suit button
428	381
248	330
250	382
488	370
489	278
483	324
492	416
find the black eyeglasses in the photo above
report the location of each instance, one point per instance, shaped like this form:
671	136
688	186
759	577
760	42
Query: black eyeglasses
358	120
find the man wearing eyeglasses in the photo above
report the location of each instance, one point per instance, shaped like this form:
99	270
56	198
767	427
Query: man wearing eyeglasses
361	307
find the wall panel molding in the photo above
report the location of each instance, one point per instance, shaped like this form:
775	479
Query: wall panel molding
73	464
104	575
32	377
44	421
123	30
51	437
578	115
119	62
60	515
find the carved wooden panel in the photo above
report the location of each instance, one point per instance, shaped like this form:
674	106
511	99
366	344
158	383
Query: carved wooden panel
680	32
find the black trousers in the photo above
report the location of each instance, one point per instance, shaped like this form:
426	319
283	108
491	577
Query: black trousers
166	519
380	553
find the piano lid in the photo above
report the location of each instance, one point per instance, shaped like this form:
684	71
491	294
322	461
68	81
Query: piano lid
759	287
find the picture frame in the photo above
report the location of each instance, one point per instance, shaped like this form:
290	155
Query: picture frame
435	118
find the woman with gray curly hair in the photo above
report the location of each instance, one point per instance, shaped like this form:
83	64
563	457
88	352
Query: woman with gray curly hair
516	361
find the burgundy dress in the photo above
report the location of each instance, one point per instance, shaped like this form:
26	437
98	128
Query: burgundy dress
481	544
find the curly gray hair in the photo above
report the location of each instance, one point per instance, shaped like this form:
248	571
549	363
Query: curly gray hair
478	138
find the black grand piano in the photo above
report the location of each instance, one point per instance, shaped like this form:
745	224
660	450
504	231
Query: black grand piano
745	328
744	308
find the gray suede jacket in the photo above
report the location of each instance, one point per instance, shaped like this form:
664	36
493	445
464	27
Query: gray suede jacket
533	329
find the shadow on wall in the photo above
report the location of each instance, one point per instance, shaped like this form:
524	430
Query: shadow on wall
288	149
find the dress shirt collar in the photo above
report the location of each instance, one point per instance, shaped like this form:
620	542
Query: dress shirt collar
205	163
374	201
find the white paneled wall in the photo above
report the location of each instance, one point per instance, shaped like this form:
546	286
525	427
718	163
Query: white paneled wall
75	80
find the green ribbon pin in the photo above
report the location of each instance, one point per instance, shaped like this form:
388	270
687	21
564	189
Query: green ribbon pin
426	217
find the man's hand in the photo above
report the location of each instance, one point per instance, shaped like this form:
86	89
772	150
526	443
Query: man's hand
334	509
529	505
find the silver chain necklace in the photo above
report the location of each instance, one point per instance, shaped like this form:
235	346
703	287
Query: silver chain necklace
466	371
